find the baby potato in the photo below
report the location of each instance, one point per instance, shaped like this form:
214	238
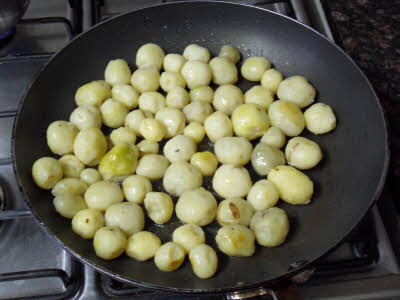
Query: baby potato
197	111
113	113
169	257
68	205
265	157
126	94
227	97
204	261
230	52
259	95
135	188
90	145
302	153
196	206
298	90
93	93
263	195
188	236
286	116
274	137
196	52
271	79
196	73
150	55
102	194
133	120
117	72
250	121
179	148
109	242
234	211
202	93
195	131
270	226
293	186
173	62
233	150
218	125
90	176
72	186
61	136
86	116
123	135
86	222
177	97
152	166
152	130
159	207
72	167
181	176
142	245
146	79
236	240
147	147
223	71
46	172
205	161
170	80
173	120
128	216
320	118
231	181
151	102
254	67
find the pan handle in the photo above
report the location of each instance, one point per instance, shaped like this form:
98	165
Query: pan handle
288	293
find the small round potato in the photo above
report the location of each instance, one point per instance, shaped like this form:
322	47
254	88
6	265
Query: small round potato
223	71
188	236
196	73
68	205
320	118
152	166
169	257
286	116
133	120
93	93
293	186
123	135
143	245
274	137
61	136
151	102
103	194
179	148
236	240
197	111
233	150
181	176
90	176
230	52
135	188
234	211
150	55
270	226
147	147
177	97
254	67
174	62
117	72
271	79
298	90
126	215
196	52
204	261
173	120
217	126
72	186
263	195
196	206
195	131
159	207
259	95
86	116
72	167
152	130
202	93
265	157
250	121
302	153
90	146
227	97
231	181
126	94
86	222
113	113
205	161
46	172
146	79
170	80
109	242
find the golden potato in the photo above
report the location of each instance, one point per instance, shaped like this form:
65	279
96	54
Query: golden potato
302	153
235	240
298	90
205	161
234	211
250	121
286	116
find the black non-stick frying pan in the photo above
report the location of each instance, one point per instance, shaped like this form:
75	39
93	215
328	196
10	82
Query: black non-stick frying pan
347	181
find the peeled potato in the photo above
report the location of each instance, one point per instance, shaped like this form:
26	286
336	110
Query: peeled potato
250	121
302	153
179	148
109	242
173	120
274	137
218	125
227	97
128	216
86	222
93	93
126	94
259	95
143	245
68	205
320	118
147	147
196	131
177	97
197	53
72	186
123	135
159	207
196	73
233	150
102	194
271	79
133	120
152	130
113	113
262	195
197	111
135	188
223	71
150	55
205	161
230	52
146	79
202	93
117	72
254	67
231	181
170	80
152	166
174	62
286	116
151	102
189	236
296	89
86	116
61	136
204	261
234	211
265	157
46	172
169	257
235	240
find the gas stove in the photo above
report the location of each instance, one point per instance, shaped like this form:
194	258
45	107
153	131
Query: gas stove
32	265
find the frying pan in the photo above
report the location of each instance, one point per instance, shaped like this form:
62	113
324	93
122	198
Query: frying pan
347	181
